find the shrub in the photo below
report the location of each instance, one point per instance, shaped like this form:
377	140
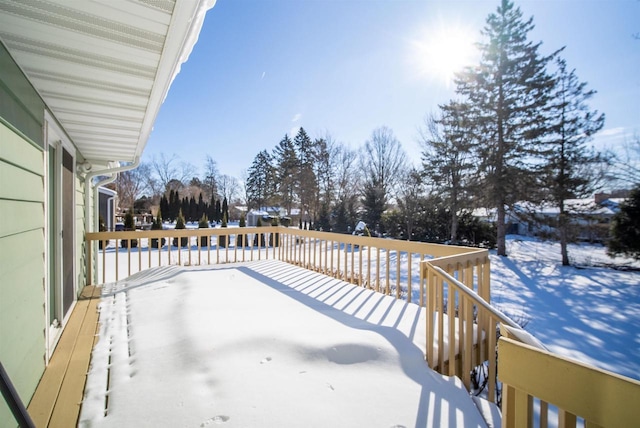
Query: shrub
129	226
204	224
222	239
102	228
274	238
240	238
184	241
157	225
259	242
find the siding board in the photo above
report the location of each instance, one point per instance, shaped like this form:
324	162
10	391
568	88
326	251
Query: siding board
20	216
13	150
20	185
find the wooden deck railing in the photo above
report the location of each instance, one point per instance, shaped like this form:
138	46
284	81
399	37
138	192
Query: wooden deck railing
189	247
413	271
384	265
530	373
460	344
387	266
452	283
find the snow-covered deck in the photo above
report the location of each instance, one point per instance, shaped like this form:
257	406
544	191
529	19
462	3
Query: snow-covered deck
263	344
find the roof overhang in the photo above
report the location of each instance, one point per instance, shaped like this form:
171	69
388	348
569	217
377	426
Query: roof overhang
103	68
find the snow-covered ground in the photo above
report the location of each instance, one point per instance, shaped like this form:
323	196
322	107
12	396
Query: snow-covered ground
263	344
589	313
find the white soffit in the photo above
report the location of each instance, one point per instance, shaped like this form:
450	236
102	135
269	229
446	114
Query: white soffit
103	67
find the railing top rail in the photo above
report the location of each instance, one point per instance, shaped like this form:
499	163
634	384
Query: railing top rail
460	257
130	234
599	396
435	250
474	296
440	251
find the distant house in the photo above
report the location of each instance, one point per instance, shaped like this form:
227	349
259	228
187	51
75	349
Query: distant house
590	217
264	216
81	83
107	207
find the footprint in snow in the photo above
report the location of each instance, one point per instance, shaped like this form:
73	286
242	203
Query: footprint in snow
265	360
220	419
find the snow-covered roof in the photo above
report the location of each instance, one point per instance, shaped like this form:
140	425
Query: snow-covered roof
584	206
106	191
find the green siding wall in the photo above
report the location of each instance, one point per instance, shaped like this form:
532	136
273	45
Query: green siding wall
20	104
22	267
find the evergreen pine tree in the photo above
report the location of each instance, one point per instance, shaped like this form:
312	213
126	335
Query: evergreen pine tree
129	226
508	95
171	215
184	208
240	240
374	202
225	209
305	180
258	239
625	231
218	211
324	172
341	217
324	217
447	159
193	210
164	204
203	224
287	172
157	225
211	212
222	239
180	225
201	206
571	168
261	181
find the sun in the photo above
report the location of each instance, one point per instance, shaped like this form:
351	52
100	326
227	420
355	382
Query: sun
438	52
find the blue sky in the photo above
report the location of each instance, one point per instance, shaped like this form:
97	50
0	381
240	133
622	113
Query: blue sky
263	68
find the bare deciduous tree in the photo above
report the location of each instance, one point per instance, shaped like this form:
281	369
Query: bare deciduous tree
626	163
209	181
382	163
171	168
131	184
228	187
410	191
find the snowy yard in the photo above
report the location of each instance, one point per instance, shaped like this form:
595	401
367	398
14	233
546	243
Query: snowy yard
590	313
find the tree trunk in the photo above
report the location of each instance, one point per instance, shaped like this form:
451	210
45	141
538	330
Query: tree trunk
563	224
454	227
501	231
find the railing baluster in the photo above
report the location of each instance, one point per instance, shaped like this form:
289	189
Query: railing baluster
451	296
544	414
409	277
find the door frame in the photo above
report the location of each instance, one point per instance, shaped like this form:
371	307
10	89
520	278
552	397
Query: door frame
56	138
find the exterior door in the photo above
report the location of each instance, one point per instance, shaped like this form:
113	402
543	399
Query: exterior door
68	295
61	237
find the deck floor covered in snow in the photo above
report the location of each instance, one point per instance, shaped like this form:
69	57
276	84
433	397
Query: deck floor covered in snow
263	344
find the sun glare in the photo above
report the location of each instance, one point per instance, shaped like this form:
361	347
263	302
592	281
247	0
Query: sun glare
440	51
